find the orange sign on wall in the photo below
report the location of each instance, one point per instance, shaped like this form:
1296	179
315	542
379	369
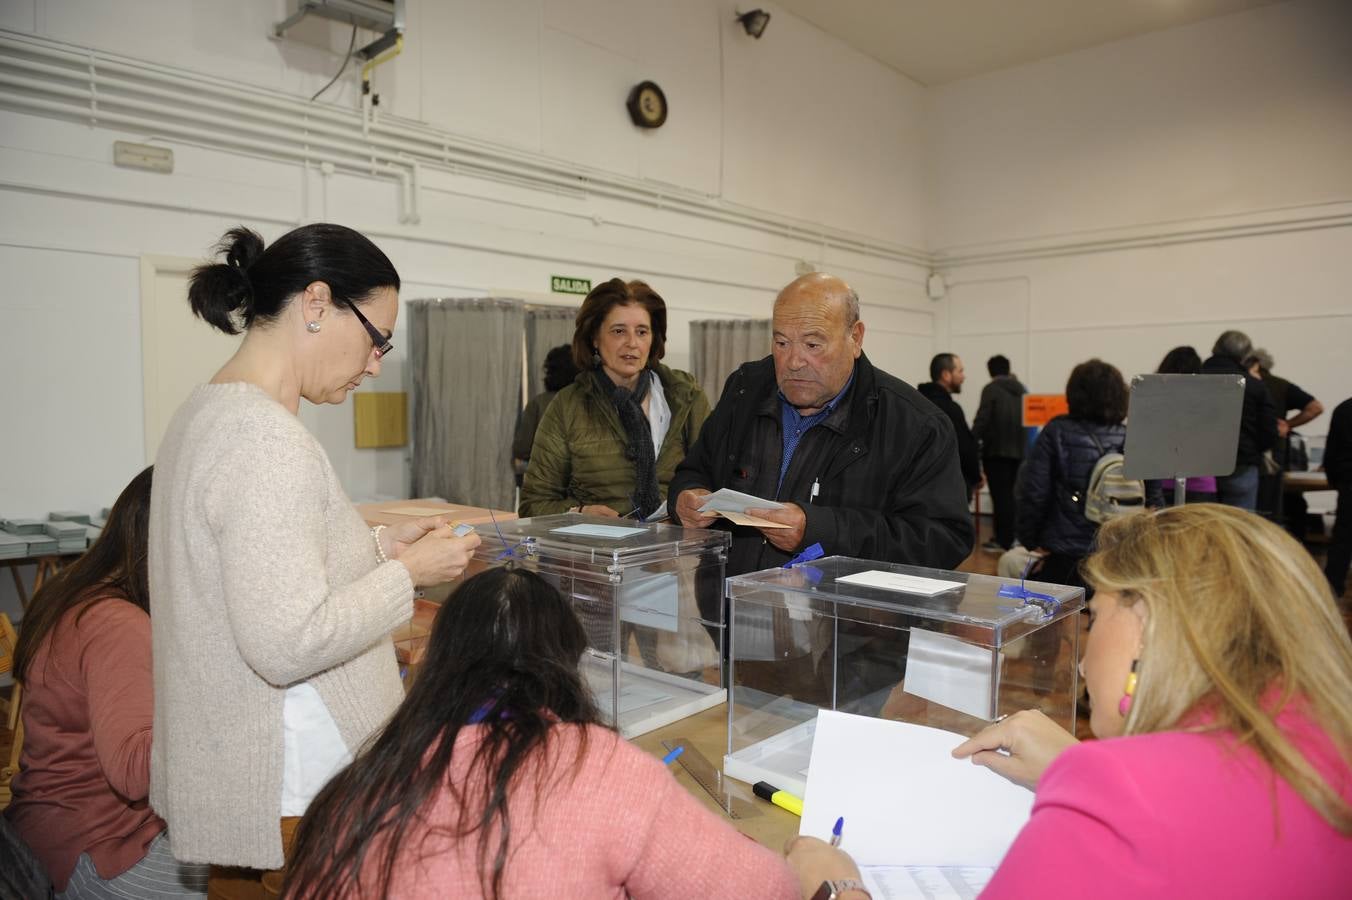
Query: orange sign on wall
1039	409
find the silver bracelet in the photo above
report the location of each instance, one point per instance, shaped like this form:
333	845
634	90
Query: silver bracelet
380	551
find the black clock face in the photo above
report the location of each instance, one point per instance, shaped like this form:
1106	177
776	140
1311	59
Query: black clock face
651	103
647	105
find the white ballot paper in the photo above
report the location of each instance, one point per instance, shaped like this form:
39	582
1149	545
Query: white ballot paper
905	800
925	882
957	674
610	532
895	581
726	500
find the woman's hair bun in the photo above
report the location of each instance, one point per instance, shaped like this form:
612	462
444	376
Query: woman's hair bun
241	247
221	294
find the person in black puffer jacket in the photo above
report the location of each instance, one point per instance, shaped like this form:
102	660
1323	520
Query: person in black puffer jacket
1056	474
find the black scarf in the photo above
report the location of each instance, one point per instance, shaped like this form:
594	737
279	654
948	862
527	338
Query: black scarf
639	446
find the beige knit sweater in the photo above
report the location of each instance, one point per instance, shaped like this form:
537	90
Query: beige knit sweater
262	575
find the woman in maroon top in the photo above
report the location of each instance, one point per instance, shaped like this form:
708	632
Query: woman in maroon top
84	660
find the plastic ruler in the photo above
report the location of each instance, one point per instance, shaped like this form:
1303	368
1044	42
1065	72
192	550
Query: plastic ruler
731	798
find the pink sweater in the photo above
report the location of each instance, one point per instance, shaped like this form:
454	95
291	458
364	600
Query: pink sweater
85	770
1178	814
611	822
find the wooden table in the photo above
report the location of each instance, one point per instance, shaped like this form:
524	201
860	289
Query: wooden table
1301	482
707	732
48	564
410	640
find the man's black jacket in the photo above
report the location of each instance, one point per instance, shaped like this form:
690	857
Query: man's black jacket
885	460
969	458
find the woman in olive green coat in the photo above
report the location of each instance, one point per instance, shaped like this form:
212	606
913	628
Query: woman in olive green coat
610	442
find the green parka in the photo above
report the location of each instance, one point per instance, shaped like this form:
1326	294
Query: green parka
579	453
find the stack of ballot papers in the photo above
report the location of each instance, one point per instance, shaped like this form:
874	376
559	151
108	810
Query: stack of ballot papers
917	821
41	544
733	505
69	516
22	526
12	546
70	537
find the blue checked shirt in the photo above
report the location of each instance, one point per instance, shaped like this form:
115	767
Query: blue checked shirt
794	426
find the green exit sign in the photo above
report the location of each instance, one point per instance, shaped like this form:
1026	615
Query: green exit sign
562	284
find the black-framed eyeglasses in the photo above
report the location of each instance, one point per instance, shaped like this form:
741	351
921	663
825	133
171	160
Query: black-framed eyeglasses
382	343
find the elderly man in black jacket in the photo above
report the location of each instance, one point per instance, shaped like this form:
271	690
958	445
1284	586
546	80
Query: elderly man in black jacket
1257	424
864	465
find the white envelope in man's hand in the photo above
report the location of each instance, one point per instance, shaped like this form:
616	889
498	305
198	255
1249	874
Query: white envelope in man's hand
727	500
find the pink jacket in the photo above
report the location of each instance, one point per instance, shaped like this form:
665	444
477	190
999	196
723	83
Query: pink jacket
1179	814
608	823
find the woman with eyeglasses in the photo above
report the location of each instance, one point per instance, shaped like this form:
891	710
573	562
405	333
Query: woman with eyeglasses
273	601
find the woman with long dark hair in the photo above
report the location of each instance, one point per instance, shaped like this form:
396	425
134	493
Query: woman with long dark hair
274	601
496	778
83	658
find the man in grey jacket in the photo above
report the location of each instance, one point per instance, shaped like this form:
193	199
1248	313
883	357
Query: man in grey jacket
998	427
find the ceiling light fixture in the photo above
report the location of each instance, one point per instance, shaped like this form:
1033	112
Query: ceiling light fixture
754	22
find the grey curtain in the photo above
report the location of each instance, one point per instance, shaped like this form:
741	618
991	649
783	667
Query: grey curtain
546	328
466	362
719	346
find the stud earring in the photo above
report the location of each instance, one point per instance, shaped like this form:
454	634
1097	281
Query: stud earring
1124	705
312	327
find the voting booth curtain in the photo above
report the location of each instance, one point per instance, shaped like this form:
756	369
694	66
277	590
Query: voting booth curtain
719	346
466	359
546	328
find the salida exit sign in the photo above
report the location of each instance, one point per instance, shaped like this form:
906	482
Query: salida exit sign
563	284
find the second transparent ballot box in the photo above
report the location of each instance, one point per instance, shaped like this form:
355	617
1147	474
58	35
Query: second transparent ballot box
950	650
650	597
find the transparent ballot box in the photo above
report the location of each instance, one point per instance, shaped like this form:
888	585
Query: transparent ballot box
650	598
950	650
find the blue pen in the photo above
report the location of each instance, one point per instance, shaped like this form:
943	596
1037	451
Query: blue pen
677	751
835	832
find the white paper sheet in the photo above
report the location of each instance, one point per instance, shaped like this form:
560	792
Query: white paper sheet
654	602
894	581
658	514
610	532
728	500
945	670
925	882
905	799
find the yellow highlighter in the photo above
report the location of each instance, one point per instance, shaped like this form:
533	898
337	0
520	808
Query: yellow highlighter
783	799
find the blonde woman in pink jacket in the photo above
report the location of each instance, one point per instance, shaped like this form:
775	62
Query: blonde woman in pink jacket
1220	675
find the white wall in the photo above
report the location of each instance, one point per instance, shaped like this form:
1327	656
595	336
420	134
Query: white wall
751	133
1121	200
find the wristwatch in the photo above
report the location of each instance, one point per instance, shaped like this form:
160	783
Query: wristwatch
831	889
